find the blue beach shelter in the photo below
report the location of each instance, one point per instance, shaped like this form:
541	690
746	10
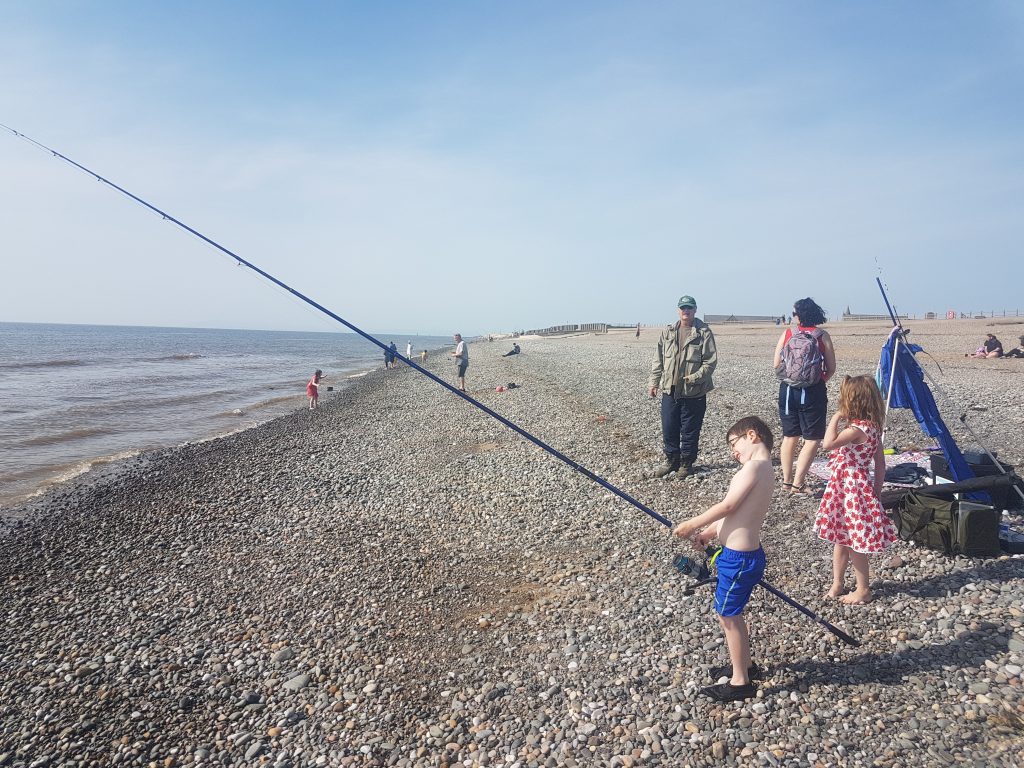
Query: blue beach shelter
899	368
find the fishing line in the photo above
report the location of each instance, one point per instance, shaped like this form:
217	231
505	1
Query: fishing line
454	390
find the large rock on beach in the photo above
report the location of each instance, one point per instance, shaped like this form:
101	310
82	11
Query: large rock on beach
398	579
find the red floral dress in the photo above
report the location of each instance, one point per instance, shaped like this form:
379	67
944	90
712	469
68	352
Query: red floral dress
850	514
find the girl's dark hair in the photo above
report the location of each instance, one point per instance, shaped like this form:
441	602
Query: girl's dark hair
760	429
809	312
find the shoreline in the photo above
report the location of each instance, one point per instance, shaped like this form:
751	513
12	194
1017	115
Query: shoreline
121	390
83	470
396	578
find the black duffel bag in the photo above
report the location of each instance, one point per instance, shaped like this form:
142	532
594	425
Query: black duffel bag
947	525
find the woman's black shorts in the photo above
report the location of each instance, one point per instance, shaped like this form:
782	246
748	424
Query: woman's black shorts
803	412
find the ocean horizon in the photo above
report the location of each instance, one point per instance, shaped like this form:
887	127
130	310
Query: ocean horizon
76	396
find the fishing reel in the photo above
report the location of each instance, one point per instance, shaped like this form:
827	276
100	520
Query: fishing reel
699	571
688	566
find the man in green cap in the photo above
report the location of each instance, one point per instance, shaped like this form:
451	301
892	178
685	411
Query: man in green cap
682	370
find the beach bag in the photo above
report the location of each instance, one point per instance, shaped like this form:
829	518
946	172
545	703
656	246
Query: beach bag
977	530
948	526
802	361
926	521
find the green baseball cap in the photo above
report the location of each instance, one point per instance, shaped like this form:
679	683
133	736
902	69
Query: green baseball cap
687	301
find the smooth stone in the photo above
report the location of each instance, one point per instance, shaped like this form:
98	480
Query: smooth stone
297	683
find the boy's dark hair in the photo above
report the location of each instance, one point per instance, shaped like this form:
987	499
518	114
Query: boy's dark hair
753	422
809	312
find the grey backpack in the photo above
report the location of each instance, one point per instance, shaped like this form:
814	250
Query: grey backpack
802	362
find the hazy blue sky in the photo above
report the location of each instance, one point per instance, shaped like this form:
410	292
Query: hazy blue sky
430	167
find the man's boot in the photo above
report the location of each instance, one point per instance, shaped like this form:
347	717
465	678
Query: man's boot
671	465
685	468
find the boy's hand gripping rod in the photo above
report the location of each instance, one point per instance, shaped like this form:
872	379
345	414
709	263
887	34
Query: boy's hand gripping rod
702	572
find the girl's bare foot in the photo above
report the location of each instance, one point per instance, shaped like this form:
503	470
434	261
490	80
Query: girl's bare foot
857	597
836	591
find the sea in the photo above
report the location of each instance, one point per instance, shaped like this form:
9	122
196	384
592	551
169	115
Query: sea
76	396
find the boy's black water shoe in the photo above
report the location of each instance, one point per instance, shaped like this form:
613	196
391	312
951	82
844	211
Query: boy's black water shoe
754	672
730	692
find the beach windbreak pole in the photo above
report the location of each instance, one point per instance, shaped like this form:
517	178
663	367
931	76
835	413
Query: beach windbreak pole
903	379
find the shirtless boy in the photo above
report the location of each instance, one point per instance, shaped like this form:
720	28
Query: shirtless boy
736	522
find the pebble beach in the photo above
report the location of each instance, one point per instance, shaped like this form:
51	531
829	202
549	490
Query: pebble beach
398	579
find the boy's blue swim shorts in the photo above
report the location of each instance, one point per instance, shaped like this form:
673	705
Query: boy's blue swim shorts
738	573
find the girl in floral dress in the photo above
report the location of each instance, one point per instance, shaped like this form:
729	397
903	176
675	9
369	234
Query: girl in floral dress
851	516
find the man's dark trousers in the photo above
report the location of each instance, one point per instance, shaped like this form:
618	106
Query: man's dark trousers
681	422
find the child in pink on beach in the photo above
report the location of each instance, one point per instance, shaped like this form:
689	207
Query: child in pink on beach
851	516
313	389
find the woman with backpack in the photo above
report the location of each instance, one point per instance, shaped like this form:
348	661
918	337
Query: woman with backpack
804	361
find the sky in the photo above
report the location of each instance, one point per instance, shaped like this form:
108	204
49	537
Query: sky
486	167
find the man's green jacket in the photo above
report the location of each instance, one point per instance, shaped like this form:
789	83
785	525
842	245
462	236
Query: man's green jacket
685	363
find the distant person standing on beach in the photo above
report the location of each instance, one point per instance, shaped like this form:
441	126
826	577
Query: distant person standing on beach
392	351
461	355
408	349
804	361
681	371
313	389
638	330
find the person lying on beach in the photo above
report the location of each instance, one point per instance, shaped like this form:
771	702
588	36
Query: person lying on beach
992	347
1017	351
736	522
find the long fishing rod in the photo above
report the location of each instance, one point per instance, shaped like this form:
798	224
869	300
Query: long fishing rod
454	390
